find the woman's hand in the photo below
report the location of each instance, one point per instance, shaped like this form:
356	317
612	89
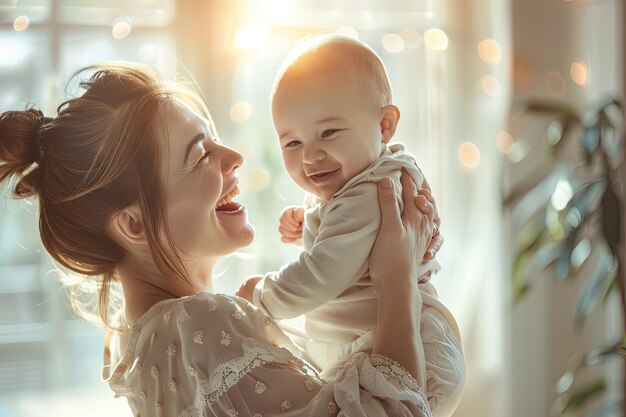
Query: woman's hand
437	240
402	237
393	270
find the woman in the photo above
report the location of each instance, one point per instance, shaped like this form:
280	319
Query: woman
136	188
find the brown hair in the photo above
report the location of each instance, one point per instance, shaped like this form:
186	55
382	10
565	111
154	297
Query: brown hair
324	52
84	166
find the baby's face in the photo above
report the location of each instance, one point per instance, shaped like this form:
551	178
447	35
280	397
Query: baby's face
329	129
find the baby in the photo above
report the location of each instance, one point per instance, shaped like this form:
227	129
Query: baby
332	109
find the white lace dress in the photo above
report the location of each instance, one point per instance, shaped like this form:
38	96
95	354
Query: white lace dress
217	355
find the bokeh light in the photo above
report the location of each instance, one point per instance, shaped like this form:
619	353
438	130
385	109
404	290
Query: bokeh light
490	85
578	72
489	51
555	82
148	52
393	43
243	148
258	179
347	31
251	36
505	142
436	39
21	23
469	155
241	111
411	38
121	29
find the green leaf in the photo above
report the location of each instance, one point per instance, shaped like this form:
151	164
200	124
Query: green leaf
611	219
583	395
564	109
594	288
590	141
519	291
606	409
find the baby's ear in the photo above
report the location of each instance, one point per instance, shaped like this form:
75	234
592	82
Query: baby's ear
389	117
128	225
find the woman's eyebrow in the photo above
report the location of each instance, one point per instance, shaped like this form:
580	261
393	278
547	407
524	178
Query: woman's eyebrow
198	138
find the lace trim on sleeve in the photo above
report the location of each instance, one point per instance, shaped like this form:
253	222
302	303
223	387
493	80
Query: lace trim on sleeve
228	374
396	382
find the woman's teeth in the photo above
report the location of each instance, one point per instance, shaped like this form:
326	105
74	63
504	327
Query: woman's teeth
228	197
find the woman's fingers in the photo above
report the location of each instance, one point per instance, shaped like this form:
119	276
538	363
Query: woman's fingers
390	220
428	195
434	246
409	190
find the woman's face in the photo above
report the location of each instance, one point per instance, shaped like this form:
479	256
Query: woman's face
201	176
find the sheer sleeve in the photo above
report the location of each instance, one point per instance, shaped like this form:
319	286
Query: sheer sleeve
255	371
363	385
251	368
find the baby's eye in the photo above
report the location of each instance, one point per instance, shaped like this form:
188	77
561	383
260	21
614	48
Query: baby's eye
292	143
328	132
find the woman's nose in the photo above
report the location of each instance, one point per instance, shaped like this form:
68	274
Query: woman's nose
312	154
231	160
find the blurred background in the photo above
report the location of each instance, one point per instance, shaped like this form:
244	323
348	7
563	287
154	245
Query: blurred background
463	74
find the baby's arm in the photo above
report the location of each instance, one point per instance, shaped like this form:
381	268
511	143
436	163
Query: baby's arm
336	259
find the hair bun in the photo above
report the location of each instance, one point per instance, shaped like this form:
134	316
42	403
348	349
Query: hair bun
20	147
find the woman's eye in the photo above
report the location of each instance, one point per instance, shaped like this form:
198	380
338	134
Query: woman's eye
205	156
328	132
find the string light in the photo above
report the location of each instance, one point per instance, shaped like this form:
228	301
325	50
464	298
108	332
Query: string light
436	39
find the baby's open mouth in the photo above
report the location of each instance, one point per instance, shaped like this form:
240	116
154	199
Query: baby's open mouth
227	203
322	176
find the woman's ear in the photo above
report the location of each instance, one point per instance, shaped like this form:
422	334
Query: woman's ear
127	224
390	115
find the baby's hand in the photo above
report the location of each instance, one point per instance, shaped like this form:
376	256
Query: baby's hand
290	225
245	291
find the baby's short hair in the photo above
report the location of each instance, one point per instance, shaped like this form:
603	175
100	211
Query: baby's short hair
329	52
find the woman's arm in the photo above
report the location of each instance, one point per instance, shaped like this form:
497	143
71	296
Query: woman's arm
401	238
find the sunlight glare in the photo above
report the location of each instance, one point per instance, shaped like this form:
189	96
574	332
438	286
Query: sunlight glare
347	31
251	36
